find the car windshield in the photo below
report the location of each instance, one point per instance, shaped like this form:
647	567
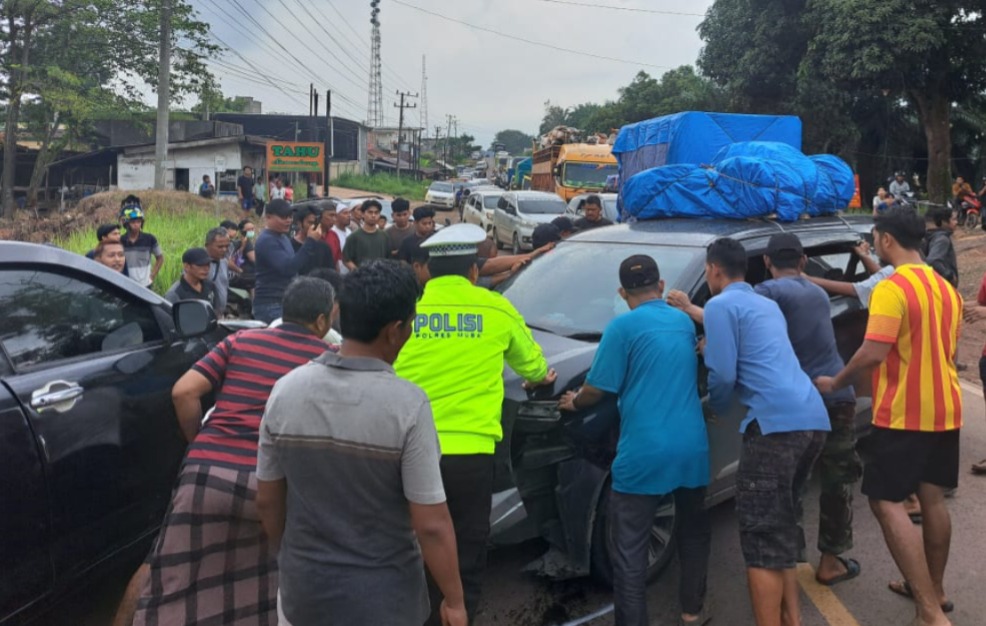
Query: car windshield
543	207
489	202
441	187
588	174
571	290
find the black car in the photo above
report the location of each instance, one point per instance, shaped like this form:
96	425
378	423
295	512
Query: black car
552	477
89	442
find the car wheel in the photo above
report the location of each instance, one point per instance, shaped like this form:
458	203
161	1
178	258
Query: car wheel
660	547
496	239
516	244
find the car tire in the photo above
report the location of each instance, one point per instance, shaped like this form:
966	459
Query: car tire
659	552
515	246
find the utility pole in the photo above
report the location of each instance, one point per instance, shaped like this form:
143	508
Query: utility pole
163	99
400	124
448	136
424	96
455	123
329	142
311	98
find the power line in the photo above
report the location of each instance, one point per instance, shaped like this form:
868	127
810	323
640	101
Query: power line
342	63
314	74
530	41
613	8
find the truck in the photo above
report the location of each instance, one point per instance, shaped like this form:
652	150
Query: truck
572	169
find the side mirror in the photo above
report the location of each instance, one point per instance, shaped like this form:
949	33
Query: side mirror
193	318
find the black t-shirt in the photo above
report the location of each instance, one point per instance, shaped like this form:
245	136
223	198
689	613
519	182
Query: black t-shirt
404	251
584	224
245	183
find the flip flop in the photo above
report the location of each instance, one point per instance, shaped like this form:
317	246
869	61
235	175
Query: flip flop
903	588
979	468
852	571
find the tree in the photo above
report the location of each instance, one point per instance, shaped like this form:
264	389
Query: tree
554	115
514	141
927	53
46	45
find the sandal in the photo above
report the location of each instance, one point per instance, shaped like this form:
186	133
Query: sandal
903	588
979	468
852	571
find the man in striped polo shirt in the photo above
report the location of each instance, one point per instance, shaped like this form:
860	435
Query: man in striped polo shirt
911	340
211	563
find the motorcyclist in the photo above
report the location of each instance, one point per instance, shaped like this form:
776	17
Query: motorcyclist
899	187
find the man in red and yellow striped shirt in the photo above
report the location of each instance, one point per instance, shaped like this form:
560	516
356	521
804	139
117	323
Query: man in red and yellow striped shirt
911	341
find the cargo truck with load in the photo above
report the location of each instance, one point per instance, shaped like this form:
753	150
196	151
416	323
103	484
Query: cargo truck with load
572	169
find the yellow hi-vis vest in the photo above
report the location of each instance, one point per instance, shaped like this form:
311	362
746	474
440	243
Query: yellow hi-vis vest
462	334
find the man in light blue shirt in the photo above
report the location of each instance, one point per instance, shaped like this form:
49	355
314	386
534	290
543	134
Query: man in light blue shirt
748	352
647	358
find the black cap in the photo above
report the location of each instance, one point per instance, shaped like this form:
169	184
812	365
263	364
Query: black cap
784	245
639	271
564	224
280	208
196	256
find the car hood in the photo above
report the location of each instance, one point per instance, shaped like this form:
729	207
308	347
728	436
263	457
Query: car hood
570	358
440	193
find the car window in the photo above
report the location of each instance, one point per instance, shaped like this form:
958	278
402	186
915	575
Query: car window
542	207
50	316
489	202
572	290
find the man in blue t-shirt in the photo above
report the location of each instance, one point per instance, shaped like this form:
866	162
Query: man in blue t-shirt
647	358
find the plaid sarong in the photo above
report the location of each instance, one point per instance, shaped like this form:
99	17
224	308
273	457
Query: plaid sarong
211	564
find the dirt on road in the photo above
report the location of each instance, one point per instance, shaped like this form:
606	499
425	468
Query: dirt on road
971	250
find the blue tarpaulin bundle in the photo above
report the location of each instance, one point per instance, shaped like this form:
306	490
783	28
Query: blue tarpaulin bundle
747	179
694	137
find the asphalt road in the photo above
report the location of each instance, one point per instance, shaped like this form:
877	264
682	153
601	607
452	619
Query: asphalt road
518	599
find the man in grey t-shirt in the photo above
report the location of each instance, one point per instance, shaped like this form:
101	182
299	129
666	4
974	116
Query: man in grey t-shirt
348	478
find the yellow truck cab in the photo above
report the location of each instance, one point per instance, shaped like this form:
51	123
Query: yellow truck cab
572	169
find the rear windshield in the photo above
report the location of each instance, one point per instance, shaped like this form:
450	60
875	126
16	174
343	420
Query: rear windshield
490	202
543	206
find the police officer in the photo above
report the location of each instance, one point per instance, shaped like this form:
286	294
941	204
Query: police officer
462	334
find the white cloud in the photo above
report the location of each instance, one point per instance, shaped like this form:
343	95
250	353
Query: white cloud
487	81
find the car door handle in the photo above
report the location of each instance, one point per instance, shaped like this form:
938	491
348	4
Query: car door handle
58	395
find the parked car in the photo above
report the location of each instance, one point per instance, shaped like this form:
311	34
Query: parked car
441	193
90	443
519	212
552	468
610	209
480	206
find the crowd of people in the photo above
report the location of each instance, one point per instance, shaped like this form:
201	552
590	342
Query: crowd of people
306	486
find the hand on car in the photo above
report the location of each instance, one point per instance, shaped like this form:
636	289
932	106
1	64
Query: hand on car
679	299
567	401
861	250
549	379
453	616
825	384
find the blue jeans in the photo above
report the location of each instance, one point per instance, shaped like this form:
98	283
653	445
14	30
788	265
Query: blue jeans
267	312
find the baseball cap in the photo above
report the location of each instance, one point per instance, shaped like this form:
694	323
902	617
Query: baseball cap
196	256
639	271
784	245
564	224
279	208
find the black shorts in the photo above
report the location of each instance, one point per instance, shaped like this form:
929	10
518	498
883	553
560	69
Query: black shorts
770	485
897	461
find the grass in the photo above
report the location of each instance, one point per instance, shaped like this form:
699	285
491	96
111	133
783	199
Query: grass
178	220
389	184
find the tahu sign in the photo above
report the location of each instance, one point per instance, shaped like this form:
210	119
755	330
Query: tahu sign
293	156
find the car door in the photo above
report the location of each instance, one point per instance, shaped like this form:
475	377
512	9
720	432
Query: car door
501	219
93	374
24	529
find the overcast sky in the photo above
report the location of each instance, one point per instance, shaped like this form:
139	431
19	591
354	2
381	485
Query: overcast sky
488	81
